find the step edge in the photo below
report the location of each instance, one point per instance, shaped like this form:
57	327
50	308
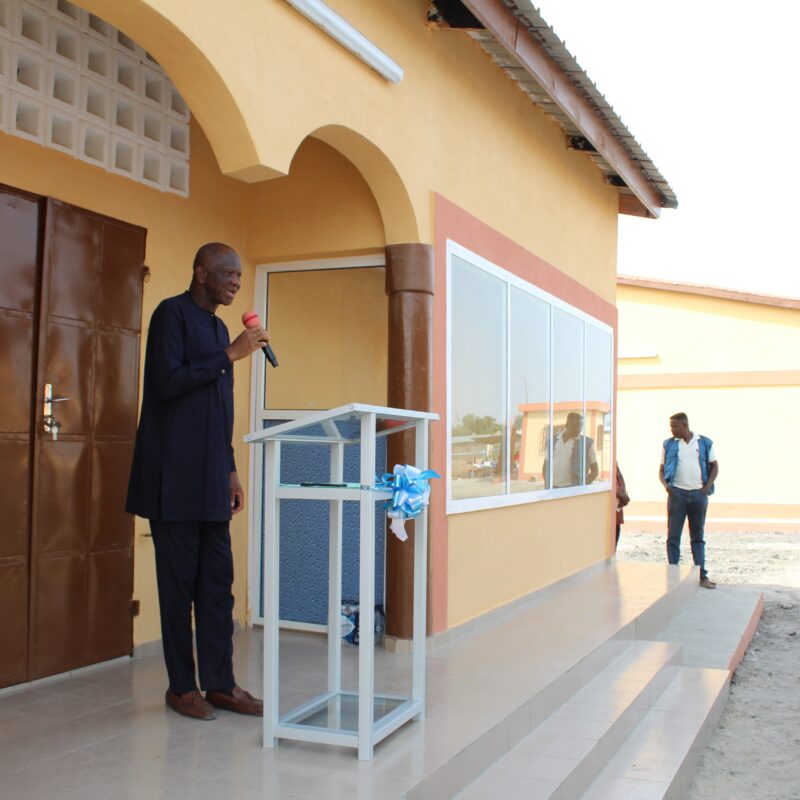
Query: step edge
583	772
554	695
691	750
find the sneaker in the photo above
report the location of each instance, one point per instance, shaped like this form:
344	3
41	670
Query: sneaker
707	583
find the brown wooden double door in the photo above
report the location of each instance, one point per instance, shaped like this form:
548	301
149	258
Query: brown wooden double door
70	316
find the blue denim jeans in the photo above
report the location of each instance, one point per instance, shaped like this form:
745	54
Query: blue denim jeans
683	503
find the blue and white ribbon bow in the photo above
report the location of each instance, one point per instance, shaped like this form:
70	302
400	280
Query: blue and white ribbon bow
410	493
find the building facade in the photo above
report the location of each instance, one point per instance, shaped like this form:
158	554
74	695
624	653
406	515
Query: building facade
440	237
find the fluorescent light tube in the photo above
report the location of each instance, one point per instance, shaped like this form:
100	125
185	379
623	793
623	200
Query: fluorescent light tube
346	35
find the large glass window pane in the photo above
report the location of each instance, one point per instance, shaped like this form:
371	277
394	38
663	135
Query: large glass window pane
529	400
478	381
322	345
573	453
598	396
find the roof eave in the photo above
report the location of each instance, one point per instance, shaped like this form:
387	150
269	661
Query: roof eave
709	291
573	101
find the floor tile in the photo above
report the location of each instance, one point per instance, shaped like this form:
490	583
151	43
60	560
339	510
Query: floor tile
507	787
625	789
131	783
28	787
534	765
230	790
70	772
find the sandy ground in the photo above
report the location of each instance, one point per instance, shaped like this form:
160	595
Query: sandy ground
755	752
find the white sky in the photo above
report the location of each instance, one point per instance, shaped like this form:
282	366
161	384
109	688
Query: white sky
709	89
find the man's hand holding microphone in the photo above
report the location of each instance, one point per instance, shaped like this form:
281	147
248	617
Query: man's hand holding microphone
253	337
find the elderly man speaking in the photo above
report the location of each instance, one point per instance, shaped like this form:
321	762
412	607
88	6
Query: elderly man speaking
184	481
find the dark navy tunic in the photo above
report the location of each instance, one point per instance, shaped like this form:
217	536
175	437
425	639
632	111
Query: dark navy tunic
183	456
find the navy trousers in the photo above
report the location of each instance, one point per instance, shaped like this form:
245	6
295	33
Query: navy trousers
194	568
683	503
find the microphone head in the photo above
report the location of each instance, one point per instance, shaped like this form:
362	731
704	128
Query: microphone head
250	319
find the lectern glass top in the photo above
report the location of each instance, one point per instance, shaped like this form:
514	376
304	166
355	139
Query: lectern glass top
338	424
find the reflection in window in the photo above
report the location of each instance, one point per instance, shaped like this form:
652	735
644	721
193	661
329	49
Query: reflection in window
574	461
529	401
478	358
598	396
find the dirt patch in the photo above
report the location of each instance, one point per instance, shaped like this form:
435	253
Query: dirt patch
755	752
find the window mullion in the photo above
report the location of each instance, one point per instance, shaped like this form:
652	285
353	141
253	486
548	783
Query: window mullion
583	463
509	415
551	444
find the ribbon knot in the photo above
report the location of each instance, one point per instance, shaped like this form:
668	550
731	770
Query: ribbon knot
410	493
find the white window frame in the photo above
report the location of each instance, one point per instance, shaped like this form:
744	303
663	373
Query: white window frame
464	505
258	414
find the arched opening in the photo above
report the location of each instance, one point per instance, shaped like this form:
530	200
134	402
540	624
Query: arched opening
399	219
213	104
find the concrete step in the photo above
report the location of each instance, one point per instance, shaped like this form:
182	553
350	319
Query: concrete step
565	753
660	758
489	688
715	628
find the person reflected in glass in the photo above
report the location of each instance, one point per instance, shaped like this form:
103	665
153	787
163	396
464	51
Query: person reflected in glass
573	453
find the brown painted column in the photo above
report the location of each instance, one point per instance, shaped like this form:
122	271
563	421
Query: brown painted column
409	284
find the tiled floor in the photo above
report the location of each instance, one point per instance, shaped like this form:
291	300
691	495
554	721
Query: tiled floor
105	732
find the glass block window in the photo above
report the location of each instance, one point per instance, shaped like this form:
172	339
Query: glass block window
72	82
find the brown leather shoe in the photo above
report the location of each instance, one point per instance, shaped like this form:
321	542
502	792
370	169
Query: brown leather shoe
237	700
706	583
192	704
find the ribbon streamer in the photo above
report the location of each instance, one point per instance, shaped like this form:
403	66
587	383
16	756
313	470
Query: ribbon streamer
410	493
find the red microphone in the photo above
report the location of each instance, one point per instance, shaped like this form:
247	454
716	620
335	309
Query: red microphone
250	320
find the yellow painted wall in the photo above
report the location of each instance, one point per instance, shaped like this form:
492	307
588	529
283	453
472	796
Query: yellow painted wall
499	555
694	337
456	124
693	333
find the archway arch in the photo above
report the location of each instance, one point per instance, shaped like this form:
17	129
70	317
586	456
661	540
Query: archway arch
223	115
397	211
212	103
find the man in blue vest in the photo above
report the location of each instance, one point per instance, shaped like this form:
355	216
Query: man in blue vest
688	471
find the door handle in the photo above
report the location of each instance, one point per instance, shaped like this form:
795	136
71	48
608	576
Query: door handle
49	423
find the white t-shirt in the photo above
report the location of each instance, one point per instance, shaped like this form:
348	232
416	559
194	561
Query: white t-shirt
687	473
562	461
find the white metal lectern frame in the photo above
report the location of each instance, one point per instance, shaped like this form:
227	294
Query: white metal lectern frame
350	719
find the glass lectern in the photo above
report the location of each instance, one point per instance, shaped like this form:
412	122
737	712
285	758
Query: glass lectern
357	719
